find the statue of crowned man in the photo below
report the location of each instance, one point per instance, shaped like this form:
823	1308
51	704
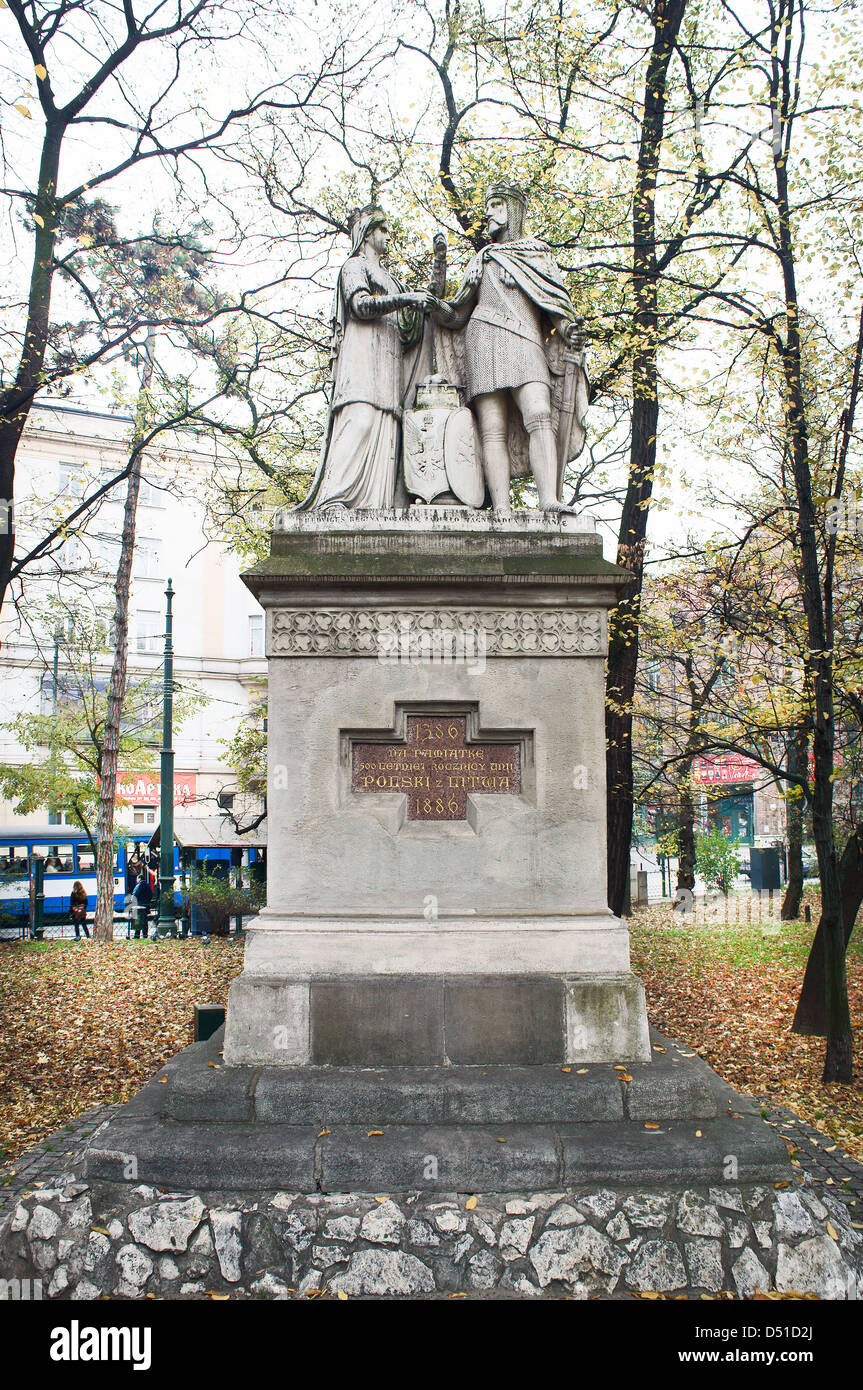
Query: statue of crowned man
509	340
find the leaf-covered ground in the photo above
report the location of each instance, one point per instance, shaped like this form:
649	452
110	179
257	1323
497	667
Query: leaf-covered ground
729	992
82	1025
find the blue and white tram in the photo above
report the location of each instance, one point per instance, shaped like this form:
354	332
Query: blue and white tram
67	856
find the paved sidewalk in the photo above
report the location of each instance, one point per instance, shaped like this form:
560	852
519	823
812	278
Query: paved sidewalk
819	1156
40	1166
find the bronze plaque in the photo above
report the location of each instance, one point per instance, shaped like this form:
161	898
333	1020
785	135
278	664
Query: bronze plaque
436	768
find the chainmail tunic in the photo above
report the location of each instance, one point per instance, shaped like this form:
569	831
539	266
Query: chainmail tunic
503	338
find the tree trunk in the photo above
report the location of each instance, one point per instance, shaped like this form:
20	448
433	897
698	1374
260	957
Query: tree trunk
685	840
103	923
811	1017
794	818
817	604
16	400
624	619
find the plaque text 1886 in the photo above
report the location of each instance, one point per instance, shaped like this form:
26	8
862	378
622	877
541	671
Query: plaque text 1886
436	768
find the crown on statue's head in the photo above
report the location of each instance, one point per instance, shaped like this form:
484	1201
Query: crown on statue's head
362	221
504	189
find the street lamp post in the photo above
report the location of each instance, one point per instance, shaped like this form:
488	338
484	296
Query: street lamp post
167	920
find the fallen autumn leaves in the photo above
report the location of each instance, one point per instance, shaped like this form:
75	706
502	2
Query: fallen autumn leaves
85	1025
730	994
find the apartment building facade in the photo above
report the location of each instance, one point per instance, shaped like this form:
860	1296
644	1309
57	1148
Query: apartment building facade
218	631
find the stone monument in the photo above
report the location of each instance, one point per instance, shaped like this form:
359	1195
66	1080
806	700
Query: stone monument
436	999
436	883
436	801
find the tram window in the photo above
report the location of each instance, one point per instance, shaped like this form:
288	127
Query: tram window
13	859
87	860
59	859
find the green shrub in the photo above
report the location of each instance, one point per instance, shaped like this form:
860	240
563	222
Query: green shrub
717	860
219	901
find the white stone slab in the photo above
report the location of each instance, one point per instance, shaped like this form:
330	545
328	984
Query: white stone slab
296	948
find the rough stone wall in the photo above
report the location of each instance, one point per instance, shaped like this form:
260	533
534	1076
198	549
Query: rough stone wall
83	1241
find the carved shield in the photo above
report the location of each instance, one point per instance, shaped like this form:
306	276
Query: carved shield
425	470
462	458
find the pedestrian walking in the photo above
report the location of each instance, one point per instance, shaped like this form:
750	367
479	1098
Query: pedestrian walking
143	896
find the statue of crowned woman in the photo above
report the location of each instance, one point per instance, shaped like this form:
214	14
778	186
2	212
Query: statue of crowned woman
377	341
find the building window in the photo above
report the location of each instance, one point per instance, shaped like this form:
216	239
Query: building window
727	675
652	673
225	801
148	560
72	480
73	554
69	692
150	496
46	702
141	717
256	634
109	555
143	815
148	630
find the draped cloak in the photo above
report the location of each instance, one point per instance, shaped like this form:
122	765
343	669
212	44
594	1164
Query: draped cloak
529	266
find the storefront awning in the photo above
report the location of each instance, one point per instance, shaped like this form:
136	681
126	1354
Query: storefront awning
213	832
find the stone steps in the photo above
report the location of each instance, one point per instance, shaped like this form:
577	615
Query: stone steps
433	1158
436	1129
673	1087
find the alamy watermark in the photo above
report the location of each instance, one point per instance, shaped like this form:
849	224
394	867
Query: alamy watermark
77	1343
20	1290
410	643
715	909
127	1163
845	515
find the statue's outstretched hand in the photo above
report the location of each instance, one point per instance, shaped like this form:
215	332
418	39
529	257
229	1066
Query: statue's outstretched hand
443	312
422	300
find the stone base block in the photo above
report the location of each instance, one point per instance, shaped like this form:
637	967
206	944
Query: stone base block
435	1020
606	1017
675	1086
307	948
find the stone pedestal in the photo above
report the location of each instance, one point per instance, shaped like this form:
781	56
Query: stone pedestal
436	798
436	944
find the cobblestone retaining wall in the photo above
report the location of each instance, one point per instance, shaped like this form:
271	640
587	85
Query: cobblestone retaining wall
83	1241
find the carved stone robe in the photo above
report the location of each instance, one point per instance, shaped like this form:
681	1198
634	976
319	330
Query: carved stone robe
360	453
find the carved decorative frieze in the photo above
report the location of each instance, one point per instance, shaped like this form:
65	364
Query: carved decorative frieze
398	634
